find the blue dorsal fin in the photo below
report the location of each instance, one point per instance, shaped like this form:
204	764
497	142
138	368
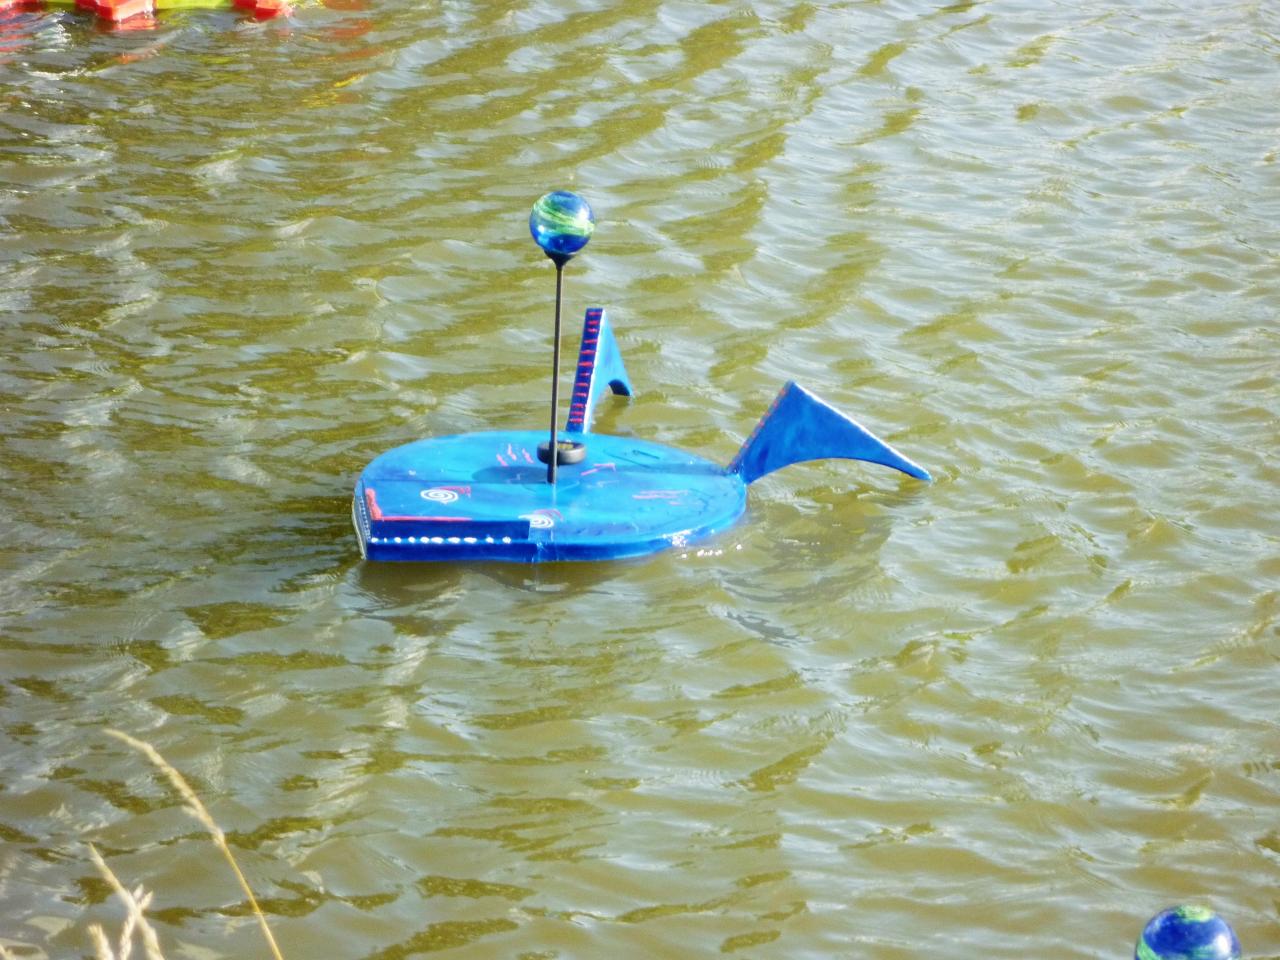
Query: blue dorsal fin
599	365
798	427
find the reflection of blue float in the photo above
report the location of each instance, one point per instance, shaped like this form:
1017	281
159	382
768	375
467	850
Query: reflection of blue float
488	496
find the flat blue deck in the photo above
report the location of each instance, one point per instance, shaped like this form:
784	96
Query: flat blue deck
484	496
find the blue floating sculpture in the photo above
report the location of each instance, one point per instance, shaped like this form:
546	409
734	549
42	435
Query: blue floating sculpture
488	496
1187	933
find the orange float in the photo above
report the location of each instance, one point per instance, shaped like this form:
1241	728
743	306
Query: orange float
119	11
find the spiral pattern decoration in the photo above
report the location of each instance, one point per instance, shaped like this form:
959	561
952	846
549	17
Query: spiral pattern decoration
440	495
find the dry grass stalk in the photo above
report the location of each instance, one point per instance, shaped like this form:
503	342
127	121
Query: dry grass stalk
5	954
194	807
101	945
136	902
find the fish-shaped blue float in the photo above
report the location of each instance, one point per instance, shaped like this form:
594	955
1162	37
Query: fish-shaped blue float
501	495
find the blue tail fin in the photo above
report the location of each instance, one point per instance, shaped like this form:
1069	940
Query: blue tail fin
798	427
599	364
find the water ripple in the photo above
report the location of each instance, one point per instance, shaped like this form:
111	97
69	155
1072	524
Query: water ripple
1033	245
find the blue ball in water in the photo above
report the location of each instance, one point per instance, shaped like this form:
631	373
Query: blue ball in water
1187	933
561	223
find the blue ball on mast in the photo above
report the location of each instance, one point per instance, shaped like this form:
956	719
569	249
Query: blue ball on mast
1187	933
561	223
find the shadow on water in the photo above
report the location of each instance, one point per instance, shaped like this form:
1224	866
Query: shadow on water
397	584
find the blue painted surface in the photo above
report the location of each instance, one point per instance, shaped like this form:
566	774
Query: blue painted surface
484	496
798	426
600	368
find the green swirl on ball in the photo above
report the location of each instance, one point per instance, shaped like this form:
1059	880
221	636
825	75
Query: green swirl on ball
561	216
561	223
1196	914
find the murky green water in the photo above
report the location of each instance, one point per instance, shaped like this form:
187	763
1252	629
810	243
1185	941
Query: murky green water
1008	715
